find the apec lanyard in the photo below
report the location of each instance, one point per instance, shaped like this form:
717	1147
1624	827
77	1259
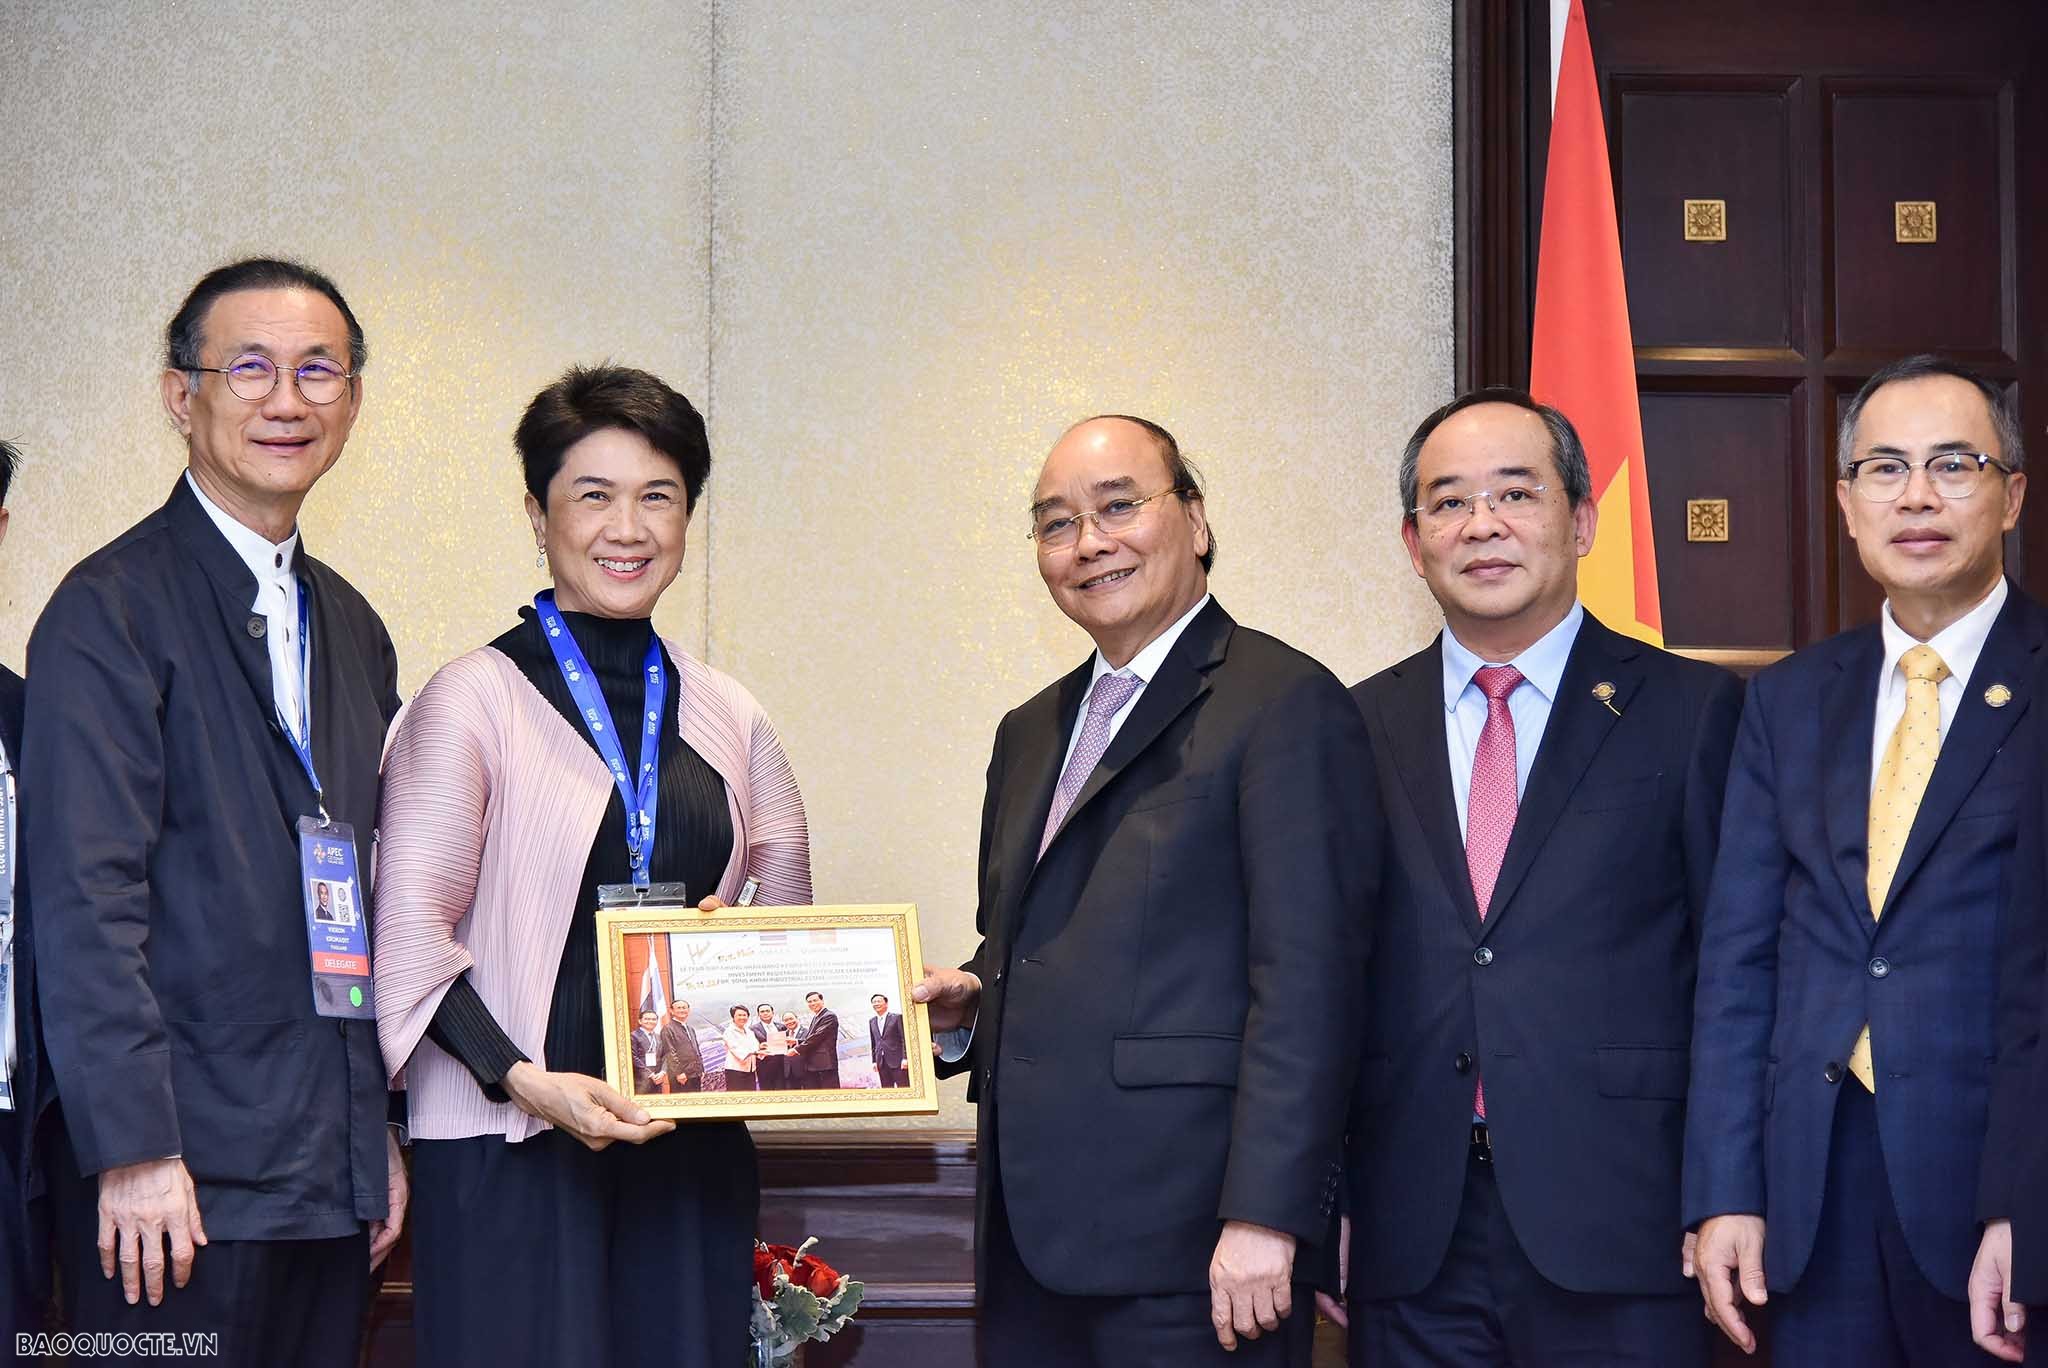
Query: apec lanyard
597	720
302	740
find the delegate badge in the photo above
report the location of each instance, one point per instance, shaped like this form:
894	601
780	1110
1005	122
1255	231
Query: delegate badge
337	932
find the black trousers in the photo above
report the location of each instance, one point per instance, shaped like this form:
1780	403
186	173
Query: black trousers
548	1252
740	1080
267	1302
1488	1307
1024	1324
1862	1302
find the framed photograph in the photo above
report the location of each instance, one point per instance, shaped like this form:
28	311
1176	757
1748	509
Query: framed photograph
755	1012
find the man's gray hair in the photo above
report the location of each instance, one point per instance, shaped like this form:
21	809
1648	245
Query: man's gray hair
2003	421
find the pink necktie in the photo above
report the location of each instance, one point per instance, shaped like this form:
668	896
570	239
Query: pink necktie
1111	692
1491	802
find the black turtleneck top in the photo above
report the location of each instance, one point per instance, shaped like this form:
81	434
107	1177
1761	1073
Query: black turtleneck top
692	844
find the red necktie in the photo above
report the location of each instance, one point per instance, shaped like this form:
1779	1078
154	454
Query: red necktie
1491	802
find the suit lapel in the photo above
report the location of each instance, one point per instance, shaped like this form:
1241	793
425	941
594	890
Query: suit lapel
1848	713
1579	723
232	589
1027	797
1183	677
1415	734
1977	731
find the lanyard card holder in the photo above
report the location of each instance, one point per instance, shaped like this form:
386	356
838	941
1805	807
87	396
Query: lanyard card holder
337	933
627	895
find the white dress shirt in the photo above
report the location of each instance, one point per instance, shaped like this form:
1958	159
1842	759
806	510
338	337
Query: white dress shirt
1542	665
1142	667
277	599
1958	644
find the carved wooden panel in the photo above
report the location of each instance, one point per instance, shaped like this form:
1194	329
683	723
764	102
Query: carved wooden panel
1678	142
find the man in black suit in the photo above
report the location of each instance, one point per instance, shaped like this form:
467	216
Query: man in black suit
1176	878
189	681
774	1067
646	1047
1552	790
817	1045
885	1040
27	1111
1852	950
682	1059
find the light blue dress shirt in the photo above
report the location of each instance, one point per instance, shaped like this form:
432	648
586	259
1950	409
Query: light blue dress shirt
1542	665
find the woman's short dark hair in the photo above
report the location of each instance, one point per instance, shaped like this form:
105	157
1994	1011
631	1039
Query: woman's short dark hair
185	338
590	399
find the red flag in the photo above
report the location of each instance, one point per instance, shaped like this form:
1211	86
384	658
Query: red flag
1582	358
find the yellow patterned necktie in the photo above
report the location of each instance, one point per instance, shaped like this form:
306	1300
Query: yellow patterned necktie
1901	780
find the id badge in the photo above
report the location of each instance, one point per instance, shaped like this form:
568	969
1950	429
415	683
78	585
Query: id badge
337	933
626	895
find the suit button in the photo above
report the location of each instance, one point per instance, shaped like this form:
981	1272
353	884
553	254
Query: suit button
1880	966
257	627
1833	1072
1463	1063
1483	955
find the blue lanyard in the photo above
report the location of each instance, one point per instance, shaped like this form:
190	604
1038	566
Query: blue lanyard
302	740
597	720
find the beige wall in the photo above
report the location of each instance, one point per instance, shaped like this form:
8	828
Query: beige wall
892	247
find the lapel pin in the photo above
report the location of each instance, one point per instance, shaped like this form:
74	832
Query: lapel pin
1998	695
1605	693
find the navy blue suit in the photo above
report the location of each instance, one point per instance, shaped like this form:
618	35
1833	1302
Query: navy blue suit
1572	997
1792	964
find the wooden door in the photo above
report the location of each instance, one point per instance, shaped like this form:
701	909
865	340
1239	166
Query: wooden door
1773	167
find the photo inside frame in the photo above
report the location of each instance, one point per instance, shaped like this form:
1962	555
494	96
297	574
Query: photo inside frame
834	1023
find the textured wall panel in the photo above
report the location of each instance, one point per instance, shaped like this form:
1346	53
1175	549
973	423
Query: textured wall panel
941	232
892	247
497	192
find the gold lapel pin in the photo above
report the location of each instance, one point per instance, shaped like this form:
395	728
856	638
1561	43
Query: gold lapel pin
1605	693
1998	695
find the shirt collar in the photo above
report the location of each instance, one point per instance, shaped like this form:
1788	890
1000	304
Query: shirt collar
1146	663
1542	664
266	560
1958	644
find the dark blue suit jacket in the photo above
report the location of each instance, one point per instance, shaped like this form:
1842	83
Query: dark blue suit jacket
1792	965
1573	996
1153	1054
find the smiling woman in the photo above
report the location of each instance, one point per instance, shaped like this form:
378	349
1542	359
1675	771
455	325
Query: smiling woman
575	751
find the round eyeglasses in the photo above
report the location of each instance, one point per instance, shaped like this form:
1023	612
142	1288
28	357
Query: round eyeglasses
1953	474
253	377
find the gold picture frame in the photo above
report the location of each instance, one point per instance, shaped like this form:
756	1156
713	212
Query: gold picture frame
722	967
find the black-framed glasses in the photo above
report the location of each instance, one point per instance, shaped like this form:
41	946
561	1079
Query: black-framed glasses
1954	474
253	377
1056	530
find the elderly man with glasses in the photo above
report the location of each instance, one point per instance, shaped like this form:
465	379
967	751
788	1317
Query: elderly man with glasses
206	714
1177	866
1854	936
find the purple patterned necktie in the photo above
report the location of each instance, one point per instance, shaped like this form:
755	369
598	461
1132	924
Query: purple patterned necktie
1111	692
1491	802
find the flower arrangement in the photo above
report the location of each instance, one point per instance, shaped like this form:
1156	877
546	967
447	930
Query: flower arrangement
797	1297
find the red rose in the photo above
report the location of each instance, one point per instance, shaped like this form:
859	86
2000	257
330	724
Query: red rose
820	1277
764	1272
